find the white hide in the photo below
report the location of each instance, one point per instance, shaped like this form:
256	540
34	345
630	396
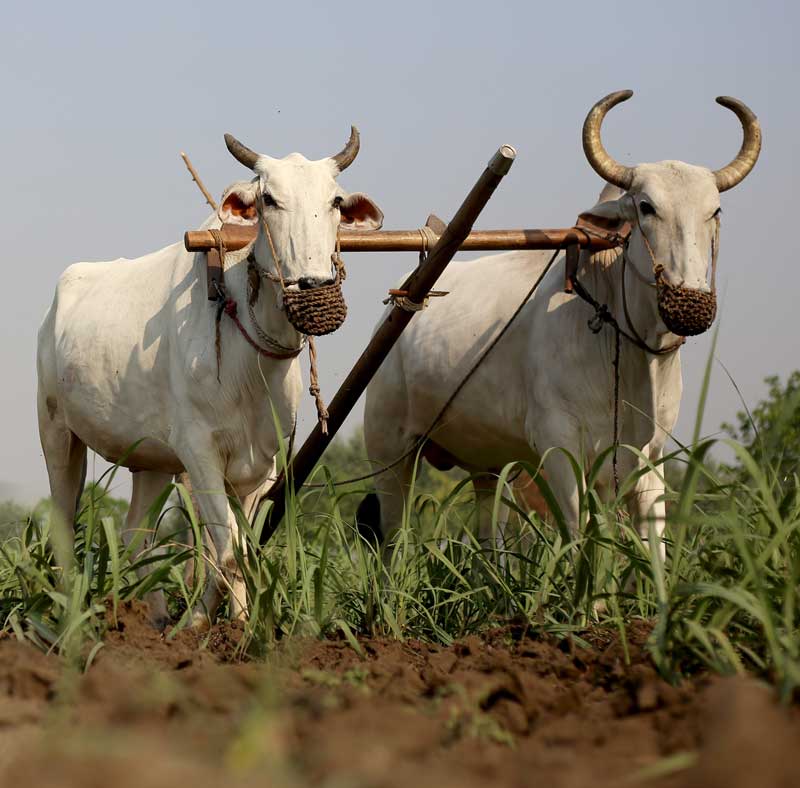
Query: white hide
126	354
549	382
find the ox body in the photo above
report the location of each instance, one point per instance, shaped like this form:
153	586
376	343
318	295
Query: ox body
549	383
127	361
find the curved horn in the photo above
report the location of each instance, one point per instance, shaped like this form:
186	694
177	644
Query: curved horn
603	164
347	154
240	152
746	158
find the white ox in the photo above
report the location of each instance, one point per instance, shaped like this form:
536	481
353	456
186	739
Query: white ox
126	354
550	382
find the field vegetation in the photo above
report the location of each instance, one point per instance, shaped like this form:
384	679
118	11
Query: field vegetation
726	597
436	660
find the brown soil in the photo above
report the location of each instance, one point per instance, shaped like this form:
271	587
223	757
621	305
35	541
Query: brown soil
504	709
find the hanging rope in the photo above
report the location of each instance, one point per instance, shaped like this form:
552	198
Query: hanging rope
314	390
681	308
220	241
614	469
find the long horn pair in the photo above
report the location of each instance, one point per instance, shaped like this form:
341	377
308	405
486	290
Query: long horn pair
343	159
620	175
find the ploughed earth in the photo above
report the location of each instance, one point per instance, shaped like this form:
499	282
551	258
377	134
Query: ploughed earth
503	709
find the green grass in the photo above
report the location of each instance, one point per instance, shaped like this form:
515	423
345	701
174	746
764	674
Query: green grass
726	598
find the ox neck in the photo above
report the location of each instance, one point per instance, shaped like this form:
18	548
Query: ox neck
612	282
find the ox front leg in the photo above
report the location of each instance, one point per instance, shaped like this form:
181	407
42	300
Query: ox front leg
65	456
558	433
646	506
489	530
139	531
208	483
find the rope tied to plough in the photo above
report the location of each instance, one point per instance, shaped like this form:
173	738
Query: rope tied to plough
400	298
490	347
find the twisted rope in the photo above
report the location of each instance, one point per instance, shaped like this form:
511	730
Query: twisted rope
314	390
400	298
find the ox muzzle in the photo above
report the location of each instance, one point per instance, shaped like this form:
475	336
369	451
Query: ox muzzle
317	309
685	311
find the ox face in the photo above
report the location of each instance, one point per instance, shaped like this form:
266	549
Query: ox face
299	207
673	208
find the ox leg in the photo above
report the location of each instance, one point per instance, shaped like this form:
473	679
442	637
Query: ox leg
393	488
249	503
566	489
384	446
646	505
485	486
208	484
147	486
65	457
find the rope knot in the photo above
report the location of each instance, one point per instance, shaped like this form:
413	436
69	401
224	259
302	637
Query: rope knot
601	315
314	389
400	298
338	264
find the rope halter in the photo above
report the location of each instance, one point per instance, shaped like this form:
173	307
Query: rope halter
312	311
686	311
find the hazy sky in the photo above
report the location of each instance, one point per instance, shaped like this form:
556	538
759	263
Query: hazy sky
99	98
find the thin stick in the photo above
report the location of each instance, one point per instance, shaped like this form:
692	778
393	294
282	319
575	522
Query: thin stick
196	179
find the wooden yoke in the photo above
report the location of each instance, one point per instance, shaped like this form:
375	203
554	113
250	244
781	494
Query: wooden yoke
612	234
237	237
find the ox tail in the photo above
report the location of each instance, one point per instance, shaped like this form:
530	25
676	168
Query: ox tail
368	519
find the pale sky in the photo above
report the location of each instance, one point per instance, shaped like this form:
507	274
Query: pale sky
99	98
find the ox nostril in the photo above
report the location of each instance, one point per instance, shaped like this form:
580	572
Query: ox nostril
310	282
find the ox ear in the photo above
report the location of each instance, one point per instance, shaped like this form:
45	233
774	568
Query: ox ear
608	214
360	213
238	205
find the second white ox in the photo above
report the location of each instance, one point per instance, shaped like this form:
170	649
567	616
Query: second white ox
127	354
550	382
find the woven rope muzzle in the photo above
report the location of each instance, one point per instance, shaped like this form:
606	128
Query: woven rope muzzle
318	310
313	311
684	310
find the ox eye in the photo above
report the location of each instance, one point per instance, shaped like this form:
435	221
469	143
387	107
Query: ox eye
337	201
716	213
268	199
646	208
